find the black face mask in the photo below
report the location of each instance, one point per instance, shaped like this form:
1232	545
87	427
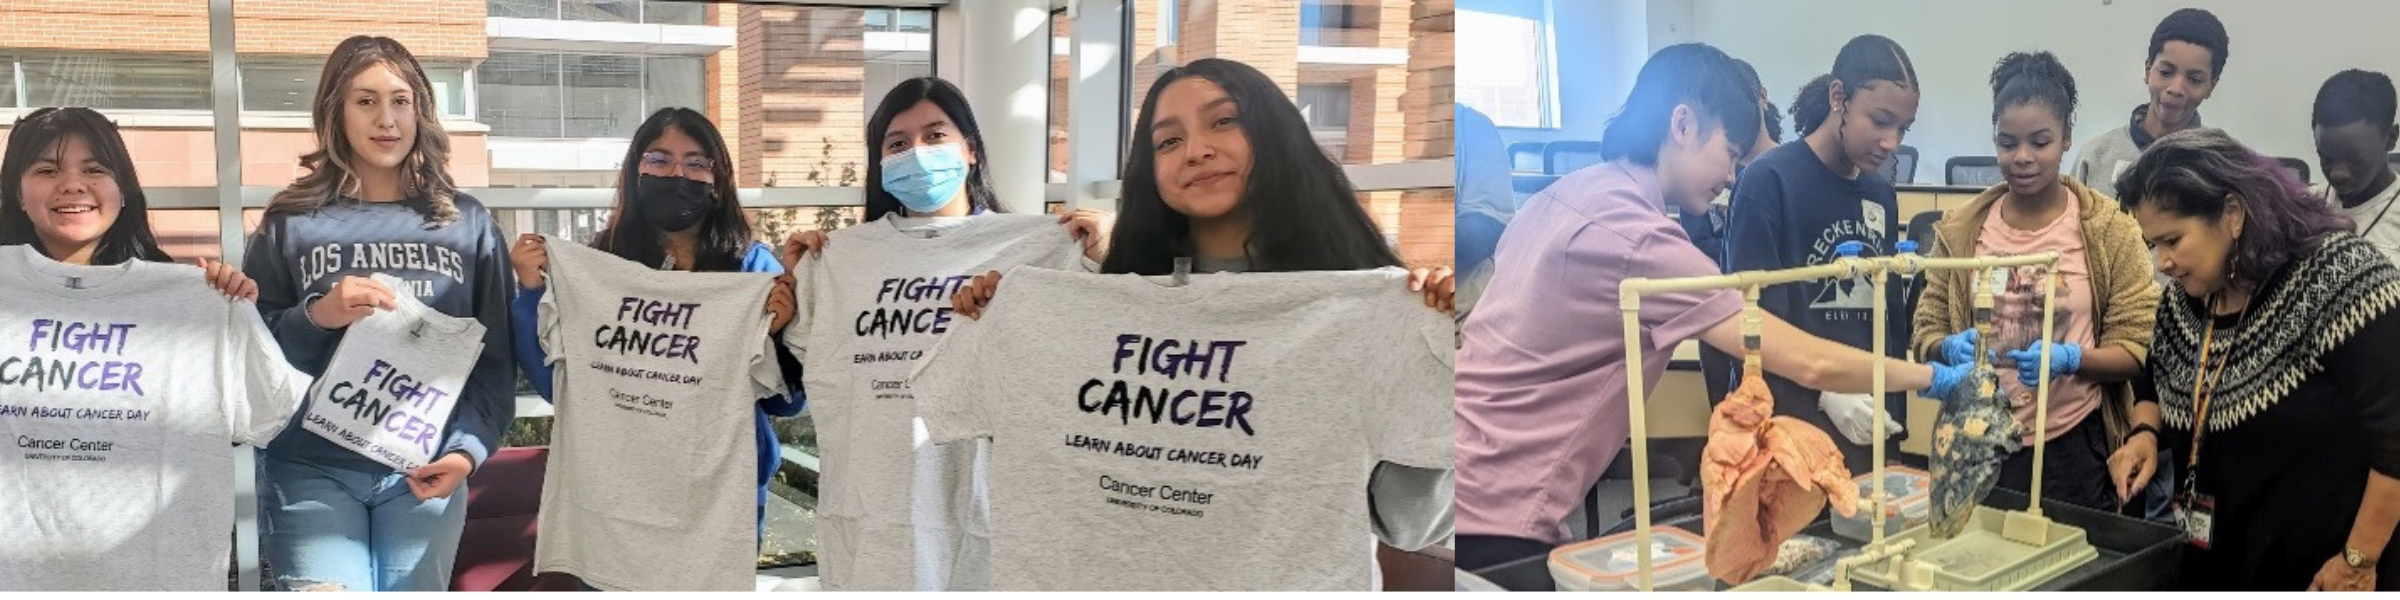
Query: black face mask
671	203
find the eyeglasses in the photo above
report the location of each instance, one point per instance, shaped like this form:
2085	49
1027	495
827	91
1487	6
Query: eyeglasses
695	168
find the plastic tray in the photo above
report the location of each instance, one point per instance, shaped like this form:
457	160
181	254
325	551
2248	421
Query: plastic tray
1911	491
1980	559
1609	564
1777	584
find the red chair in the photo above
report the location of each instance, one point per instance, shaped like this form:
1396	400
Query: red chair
495	552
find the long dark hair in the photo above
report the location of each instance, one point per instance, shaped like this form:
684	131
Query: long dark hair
2193	173
1721	89
1865	59
724	231
953	103
426	171
129	238
1304	215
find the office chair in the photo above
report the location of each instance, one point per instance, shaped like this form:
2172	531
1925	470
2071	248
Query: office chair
2299	168
1525	157
1974	171
1560	158
1902	168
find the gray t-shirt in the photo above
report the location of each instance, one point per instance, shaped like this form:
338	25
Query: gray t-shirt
1213	436
875	300
121	389
392	383
2373	218
651	484
1412	507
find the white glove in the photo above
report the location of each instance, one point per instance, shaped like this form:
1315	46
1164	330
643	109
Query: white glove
1854	414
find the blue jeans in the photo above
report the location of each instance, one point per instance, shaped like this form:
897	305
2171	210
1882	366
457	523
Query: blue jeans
359	531
2161	502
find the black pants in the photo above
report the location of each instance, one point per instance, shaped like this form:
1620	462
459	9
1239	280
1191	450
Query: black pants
2078	469
1478	552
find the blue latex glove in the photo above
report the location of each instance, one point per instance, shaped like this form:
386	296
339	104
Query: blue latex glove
1946	379
1959	348
2065	359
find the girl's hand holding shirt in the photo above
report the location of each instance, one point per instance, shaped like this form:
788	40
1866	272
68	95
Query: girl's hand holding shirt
528	257
970	300
1438	285
230	280
352	298
1091	227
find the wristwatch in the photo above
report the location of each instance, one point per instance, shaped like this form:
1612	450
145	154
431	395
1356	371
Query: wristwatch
2140	428
2358	560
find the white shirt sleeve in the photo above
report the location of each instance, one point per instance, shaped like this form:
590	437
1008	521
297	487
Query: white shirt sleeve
950	379
261	390
811	286
1412	422
766	376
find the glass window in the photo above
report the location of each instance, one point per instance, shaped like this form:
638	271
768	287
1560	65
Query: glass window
1325	106
901	20
277	86
547	95
1168	21
916	21
8	81
673	81
289	84
522	9
603	95
449	88
105	81
519	94
609	11
1061	78
674	13
1331	23
1512	80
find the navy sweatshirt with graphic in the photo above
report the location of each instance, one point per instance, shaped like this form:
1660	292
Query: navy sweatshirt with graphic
460	269
1790	210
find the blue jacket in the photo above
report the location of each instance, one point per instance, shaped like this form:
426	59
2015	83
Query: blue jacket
759	259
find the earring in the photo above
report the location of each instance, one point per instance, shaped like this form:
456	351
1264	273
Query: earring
2233	266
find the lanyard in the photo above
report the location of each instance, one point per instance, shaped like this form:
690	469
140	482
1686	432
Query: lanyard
2203	389
2388	201
2388	198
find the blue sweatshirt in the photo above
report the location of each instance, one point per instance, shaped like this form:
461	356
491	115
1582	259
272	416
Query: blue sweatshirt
759	259
460	269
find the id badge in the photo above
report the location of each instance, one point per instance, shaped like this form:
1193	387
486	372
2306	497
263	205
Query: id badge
2198	516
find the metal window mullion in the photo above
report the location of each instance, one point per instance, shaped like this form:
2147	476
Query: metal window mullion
559	60
226	87
469	95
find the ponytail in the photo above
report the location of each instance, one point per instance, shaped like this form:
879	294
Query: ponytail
1864	60
1812	106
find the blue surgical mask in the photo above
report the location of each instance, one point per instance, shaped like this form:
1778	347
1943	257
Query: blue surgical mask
925	177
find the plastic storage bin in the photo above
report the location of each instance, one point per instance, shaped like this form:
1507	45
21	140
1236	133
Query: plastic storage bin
1462	581
1911	491
1609	564
1983	559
